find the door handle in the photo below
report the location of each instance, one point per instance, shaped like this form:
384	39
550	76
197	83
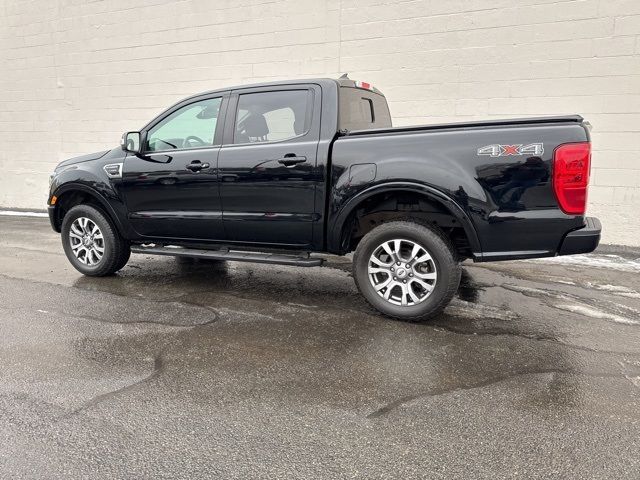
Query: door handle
197	165
291	160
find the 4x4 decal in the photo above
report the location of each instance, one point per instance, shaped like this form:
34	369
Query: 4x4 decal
518	149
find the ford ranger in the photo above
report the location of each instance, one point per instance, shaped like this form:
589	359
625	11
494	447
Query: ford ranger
277	172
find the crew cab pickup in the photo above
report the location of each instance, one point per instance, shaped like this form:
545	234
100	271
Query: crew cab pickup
276	172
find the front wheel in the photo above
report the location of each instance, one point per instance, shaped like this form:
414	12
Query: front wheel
406	270
92	243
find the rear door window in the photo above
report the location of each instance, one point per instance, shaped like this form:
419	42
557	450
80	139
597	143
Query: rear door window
272	116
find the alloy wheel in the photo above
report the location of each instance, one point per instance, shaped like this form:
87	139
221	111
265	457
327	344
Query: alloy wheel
402	272
87	242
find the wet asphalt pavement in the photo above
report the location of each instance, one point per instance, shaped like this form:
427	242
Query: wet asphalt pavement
178	369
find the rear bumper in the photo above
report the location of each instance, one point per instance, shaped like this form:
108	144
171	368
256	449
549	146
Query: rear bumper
583	240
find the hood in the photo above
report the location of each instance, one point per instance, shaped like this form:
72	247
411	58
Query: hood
82	158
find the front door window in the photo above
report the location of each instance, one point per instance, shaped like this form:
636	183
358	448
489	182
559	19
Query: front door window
192	126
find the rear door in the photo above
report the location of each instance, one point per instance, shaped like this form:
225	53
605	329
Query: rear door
171	187
267	165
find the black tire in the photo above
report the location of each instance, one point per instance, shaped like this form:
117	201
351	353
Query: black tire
116	249
435	242
124	259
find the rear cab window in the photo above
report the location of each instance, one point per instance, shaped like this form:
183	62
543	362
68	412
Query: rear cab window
362	109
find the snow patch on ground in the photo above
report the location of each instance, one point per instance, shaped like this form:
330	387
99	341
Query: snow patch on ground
12	213
623	314
595	313
462	308
631	371
613	262
533	292
615	289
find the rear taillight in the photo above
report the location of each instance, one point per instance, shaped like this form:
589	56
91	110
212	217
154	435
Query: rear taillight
571	164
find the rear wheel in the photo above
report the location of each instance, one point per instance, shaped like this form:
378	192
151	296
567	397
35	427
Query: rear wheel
92	243
406	270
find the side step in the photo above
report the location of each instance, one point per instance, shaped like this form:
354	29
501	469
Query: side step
236	256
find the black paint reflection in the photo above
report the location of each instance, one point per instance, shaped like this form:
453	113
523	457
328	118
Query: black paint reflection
506	184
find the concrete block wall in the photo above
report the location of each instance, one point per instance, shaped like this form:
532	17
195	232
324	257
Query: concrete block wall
74	74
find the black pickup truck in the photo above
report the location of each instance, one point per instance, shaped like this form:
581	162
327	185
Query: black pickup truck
275	172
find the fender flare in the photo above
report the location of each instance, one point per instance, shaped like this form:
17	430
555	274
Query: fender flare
104	203
333	240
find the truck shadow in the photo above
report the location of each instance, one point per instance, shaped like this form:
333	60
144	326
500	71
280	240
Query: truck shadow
328	341
225	284
179	279
314	320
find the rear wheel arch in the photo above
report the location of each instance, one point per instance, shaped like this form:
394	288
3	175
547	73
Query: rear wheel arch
424	205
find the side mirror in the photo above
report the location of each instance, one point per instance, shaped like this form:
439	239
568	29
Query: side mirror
131	142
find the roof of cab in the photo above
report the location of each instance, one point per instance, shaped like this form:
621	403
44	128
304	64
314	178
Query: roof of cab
342	82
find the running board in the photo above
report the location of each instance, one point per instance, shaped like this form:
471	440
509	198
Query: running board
235	256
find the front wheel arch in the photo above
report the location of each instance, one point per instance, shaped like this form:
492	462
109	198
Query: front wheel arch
70	195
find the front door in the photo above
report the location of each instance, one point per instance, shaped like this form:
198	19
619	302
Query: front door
171	189
267	166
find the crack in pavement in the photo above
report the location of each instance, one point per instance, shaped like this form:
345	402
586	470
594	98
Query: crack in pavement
534	337
389	407
158	368
115	322
32	250
99	291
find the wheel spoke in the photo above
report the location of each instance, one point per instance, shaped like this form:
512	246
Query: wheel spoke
396	246
387	292
379	270
412	294
424	285
424	258
388	249
414	251
404	294
426	276
379	262
383	284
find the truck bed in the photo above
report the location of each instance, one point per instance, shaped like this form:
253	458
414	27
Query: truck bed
508	200
474	124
